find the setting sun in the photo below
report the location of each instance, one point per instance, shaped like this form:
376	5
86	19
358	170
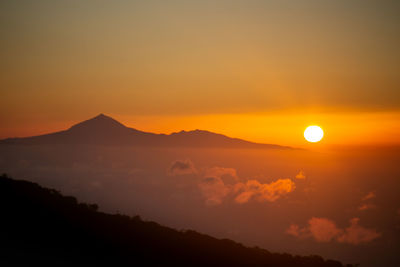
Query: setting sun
313	134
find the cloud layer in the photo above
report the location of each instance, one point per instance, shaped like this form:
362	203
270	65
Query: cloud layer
325	230
217	183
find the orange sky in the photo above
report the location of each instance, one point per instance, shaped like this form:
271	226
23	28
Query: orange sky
285	128
259	70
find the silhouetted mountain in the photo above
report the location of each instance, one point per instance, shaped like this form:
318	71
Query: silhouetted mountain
40	227
103	130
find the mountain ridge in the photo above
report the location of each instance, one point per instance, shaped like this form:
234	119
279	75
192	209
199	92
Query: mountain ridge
42	227
104	130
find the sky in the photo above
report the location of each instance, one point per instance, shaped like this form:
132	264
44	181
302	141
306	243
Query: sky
257	70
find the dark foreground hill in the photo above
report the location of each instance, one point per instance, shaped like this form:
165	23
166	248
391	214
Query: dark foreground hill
104	130
40	227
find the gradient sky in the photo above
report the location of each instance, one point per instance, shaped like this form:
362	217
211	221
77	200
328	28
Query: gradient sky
258	70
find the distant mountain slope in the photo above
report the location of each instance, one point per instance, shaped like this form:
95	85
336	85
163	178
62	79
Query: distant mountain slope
40	227
104	130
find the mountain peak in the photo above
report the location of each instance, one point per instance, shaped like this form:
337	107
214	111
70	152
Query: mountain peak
101	115
100	122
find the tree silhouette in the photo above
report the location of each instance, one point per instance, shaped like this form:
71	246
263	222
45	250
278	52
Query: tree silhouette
39	226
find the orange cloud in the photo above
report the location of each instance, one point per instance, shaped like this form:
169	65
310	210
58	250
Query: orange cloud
293	230
214	190
366	207
244	197
265	192
325	230
300	175
228	175
216	183
356	234
296	231
368	196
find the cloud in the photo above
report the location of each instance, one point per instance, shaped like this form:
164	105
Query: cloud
293	230
181	167
356	234
214	190
300	175
228	175
366	207
264	192
325	230
244	197
296	231
368	196
216	183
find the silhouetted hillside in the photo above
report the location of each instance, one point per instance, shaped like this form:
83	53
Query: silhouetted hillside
103	130
40	227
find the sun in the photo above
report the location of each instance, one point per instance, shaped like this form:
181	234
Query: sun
313	134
